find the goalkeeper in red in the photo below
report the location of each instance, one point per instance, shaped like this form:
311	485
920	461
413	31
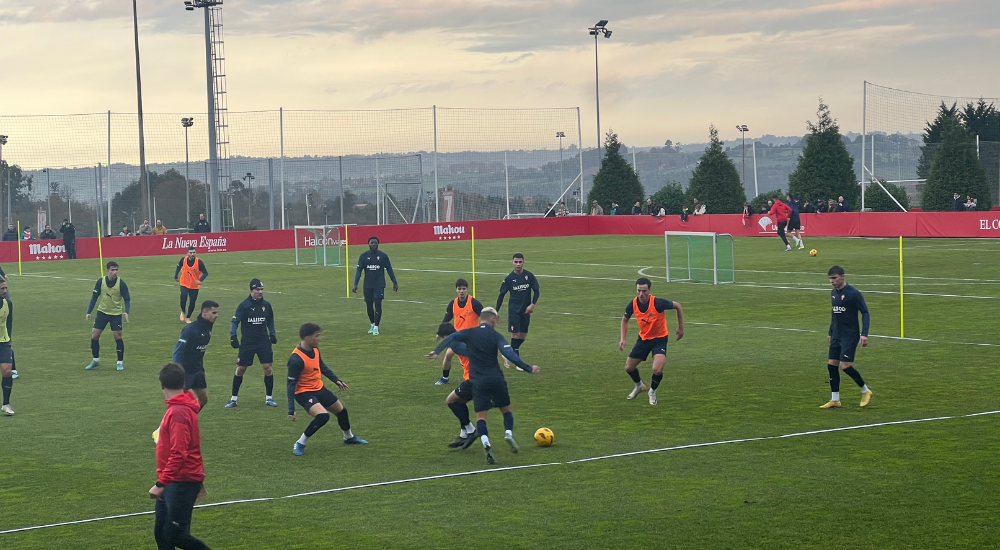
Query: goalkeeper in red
650	314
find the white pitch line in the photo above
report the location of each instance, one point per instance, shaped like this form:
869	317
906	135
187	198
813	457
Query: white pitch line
511	468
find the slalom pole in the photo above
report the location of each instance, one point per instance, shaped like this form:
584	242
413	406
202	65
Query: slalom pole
19	247
347	262
901	333
473	262
100	250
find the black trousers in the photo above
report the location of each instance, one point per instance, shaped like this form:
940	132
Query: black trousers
173	517
70	248
781	232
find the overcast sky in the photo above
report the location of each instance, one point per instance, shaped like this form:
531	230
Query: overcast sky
669	70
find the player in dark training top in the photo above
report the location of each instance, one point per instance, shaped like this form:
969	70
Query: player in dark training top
305	385
190	273
523	288
375	264
488	385
6	353
257	317
650	314
845	335
190	350
113	303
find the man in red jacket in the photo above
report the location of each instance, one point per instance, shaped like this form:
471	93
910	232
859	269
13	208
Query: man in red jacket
781	211
179	470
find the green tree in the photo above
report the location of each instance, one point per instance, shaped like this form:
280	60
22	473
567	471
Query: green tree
20	186
761	199
671	197
616	181
715	182
878	201
932	137
956	169
825	168
982	119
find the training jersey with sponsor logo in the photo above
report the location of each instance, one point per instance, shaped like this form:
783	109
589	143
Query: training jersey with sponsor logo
483	343
6	319
191	272
847	303
112	296
465	315
652	320
374	265
190	350
523	290
257	318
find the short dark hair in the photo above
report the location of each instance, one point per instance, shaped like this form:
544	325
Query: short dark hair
190	248
461	282
444	329
111	264
835	270
518	255
209	304
172	376
373	238
643	281
308	329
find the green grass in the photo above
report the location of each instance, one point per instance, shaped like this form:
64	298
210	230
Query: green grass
79	446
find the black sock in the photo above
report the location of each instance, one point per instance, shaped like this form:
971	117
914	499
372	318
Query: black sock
481	428
95	348
445	373
268	385
850	371
461	412
634	373
656	380
7	383
120	348
345	423
516	344
378	311
316	424
237	382
508	420
834	377
371	312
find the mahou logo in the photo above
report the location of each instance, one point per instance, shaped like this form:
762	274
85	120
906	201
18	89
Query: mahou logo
47	251
449	232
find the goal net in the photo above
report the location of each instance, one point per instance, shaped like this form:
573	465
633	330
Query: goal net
319	244
700	257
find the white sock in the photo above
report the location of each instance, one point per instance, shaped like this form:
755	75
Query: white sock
302	439
268	397
233	399
376	327
463	432
470	429
864	389
348	434
835	396
508	433
485	440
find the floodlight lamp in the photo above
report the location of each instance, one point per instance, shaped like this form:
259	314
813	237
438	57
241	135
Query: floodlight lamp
560	134
607	33
593	33
601	23
745	129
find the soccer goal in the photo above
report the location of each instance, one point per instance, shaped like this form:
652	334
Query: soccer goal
700	257
319	244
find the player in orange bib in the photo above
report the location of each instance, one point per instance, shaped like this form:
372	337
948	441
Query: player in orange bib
305	385
464	312
650	313
190	273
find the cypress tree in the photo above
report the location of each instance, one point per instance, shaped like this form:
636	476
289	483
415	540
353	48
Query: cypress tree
616	181
956	169
825	169
715	182
932	137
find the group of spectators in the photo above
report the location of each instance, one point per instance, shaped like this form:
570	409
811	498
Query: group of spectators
67	229
805	206
970	204
201	226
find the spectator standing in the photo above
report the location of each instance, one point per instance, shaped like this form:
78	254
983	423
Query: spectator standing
843	205
202	226
125	232
562	209
699	207
831	205
47	234
11	234
596	210
970	204
145	228
158	229
637	209
956	204
26	234
614	209
746	212
808	208
550	211
68	231
781	211
649	207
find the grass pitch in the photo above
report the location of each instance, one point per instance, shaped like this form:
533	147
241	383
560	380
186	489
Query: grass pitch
751	365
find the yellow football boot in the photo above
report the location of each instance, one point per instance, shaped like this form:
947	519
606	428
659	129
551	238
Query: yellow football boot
830	405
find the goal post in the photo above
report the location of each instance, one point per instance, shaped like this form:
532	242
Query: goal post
702	257
319	244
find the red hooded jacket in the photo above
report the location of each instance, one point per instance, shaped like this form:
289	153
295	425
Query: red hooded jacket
780	211
178	452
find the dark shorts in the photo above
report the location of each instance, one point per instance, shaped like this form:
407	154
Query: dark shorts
642	348
103	319
6	353
794	222
465	391
842	349
247	353
374	294
324	397
518	322
489	394
195	380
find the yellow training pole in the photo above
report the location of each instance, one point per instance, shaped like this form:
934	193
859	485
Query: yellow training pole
100	251
19	247
473	262
901	333
347	262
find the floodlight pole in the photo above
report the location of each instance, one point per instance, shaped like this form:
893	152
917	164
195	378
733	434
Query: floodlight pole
598	30
3	141
212	170
187	123
742	128
48	197
143	179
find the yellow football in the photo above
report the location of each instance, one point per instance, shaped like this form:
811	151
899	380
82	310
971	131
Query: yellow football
813	252
544	437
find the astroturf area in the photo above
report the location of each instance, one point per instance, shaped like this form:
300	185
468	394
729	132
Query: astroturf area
751	364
